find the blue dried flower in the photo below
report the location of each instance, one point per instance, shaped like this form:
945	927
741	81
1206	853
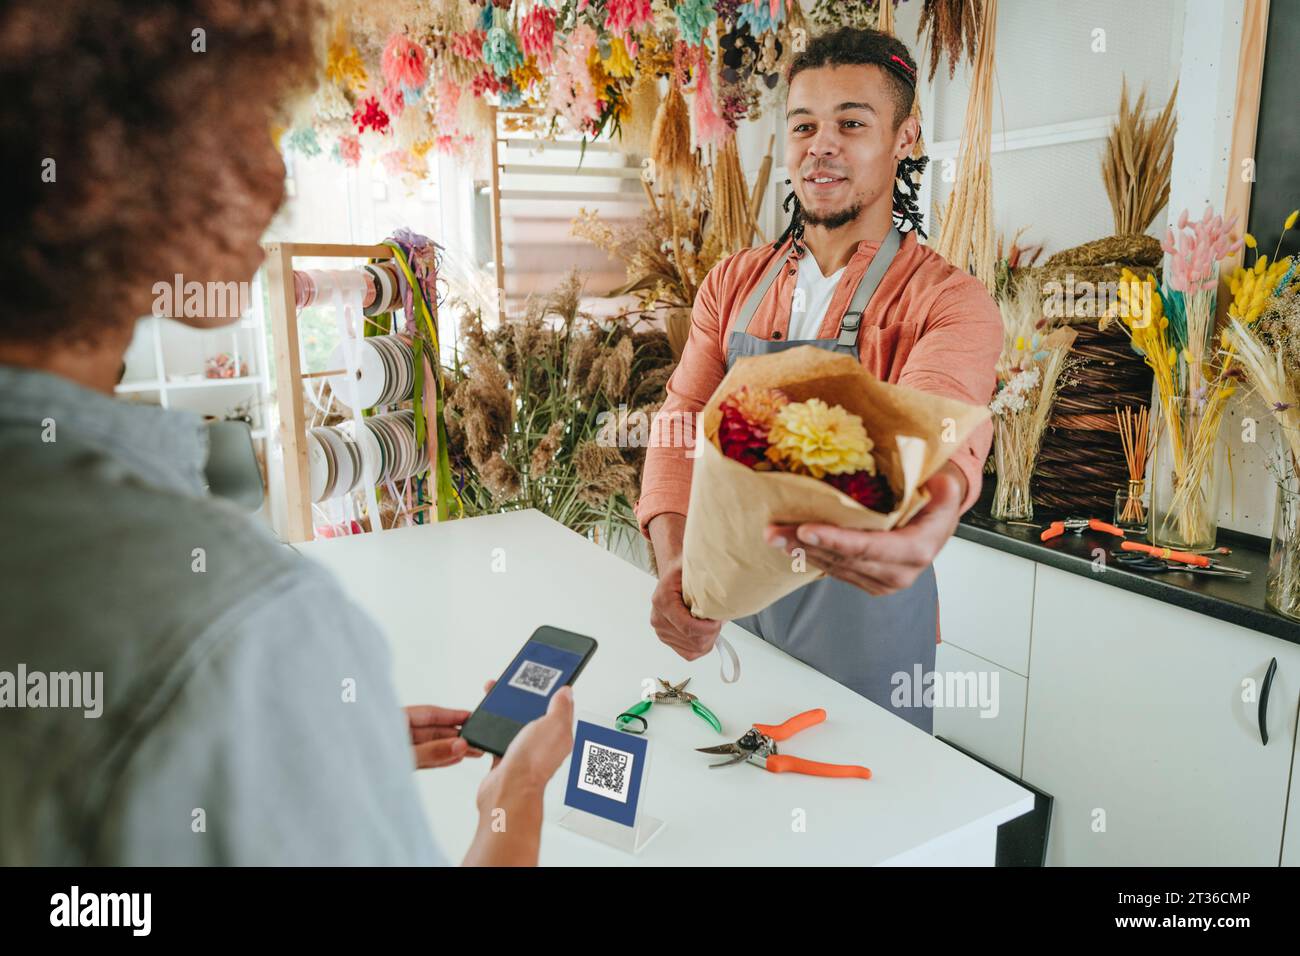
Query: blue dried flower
303	140
694	17
501	51
759	18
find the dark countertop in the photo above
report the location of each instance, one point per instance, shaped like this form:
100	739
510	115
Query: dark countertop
1239	602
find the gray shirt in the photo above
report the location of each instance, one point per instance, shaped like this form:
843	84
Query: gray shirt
247	713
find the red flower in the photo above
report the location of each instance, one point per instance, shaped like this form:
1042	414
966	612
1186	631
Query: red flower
485	82
870	491
370	115
739	438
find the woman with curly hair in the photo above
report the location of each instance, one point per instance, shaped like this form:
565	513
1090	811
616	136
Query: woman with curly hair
185	689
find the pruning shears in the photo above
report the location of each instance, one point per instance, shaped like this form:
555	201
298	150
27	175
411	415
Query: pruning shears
758	747
671	694
1078	526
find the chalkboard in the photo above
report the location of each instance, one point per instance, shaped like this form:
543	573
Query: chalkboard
1276	190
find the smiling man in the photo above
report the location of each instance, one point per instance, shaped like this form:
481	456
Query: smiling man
845	277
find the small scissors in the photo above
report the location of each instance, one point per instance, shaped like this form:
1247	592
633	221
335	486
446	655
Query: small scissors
671	694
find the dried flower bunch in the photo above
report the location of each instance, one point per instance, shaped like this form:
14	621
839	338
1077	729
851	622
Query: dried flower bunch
552	411
1263	330
762	429
966	226
1173	327
1138	162
952	26
1030	373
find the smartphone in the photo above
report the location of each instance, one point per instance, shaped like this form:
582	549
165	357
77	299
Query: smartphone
550	659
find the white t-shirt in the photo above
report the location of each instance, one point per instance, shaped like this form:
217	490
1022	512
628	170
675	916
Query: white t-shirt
812	295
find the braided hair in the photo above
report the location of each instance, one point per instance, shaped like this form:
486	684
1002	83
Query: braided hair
850	47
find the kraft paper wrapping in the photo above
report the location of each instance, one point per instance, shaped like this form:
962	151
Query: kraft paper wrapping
728	569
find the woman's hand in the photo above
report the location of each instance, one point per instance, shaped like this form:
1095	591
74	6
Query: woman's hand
435	736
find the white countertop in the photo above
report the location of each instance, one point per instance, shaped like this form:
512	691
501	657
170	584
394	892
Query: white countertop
454	622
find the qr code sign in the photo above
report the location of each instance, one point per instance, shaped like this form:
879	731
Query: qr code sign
535	678
605	771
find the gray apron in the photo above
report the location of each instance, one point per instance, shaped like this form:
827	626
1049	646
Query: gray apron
878	646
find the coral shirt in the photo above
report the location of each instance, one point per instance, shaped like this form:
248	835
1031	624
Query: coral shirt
929	326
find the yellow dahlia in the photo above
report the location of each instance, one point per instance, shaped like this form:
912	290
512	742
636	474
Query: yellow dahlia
817	439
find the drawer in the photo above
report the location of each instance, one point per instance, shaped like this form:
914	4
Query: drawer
980	706
986	602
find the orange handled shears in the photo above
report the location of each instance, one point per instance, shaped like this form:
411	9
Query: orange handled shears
1078	526
1180	557
758	746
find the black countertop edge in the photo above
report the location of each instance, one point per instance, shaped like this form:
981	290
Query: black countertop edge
1239	602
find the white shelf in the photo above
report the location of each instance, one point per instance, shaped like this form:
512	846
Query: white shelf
155	386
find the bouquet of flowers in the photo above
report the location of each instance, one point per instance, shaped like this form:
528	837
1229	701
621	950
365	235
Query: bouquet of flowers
804	435
763	429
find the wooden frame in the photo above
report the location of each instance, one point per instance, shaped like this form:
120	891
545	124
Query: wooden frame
288	370
1245	124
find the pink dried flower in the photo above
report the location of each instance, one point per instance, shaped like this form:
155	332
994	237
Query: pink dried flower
469	45
350	150
537	33
404	63
710	127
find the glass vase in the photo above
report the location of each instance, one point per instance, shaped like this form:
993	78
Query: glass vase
1185	475
1282	587
1011	500
1132	507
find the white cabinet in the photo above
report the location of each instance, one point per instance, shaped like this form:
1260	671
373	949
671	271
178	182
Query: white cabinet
1136	723
985	601
980	706
1291	840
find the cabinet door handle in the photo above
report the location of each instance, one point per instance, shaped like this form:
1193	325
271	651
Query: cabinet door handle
1263	702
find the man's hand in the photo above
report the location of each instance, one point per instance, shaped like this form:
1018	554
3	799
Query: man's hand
881	562
435	736
691	637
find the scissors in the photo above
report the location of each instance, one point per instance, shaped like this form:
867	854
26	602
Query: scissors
1133	561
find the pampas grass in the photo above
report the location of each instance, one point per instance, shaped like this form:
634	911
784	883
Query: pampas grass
551	410
643	106
670	139
1138	161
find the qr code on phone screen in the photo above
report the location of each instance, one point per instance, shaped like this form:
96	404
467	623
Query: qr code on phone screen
535	678
605	771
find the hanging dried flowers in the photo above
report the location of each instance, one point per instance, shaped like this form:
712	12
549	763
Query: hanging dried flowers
349	150
370	116
343	66
694	17
953	26
404	64
761	16
537	33
501	51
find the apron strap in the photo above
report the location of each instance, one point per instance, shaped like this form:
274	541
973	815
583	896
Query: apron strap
851	323
751	304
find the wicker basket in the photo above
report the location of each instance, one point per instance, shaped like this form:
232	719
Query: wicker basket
1081	463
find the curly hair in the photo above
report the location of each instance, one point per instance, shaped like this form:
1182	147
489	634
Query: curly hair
850	46
135	142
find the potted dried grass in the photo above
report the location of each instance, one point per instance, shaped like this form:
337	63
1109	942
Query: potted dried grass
551	410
